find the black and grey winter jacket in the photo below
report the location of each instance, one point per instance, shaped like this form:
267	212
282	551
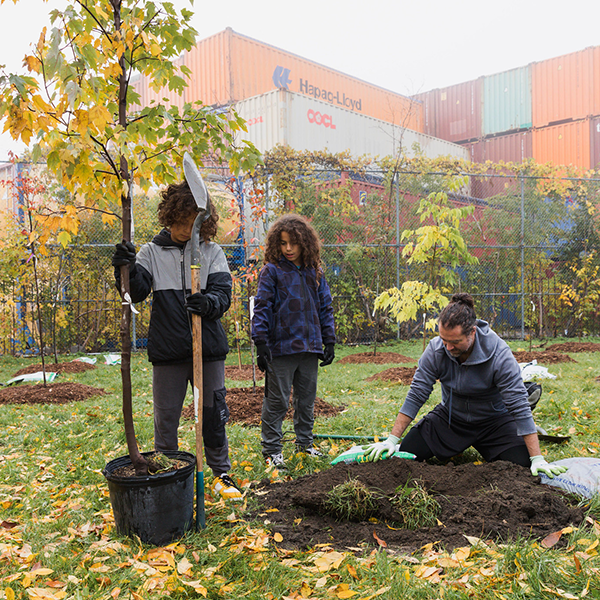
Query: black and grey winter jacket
163	267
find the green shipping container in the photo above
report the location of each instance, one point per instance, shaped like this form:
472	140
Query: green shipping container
507	101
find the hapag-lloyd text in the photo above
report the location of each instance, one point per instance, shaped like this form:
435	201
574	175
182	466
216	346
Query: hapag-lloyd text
332	97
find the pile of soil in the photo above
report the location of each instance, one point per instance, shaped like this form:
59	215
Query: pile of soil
499	501
402	375
65	367
244	374
381	358
156	464
53	393
546	356
575	347
245	406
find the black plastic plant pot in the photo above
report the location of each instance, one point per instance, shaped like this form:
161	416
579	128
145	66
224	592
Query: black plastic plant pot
157	508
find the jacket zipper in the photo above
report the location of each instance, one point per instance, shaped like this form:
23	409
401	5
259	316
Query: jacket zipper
182	266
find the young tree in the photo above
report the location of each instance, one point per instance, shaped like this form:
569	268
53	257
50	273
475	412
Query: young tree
439	247
76	106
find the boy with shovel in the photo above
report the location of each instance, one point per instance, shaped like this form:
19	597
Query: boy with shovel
163	267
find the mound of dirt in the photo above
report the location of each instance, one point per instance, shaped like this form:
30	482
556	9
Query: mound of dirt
381	358
53	393
244	374
575	347
499	501
548	357
65	367
395	374
245	406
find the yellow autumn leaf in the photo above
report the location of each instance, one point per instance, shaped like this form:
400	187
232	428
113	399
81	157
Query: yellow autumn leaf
305	590
198	588
591	547
278	537
330	560
184	566
461	554
38	572
9	593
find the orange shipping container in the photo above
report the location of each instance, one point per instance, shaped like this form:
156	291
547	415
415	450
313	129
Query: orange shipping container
565	144
229	67
566	87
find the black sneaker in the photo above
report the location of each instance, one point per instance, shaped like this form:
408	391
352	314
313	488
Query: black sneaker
310	450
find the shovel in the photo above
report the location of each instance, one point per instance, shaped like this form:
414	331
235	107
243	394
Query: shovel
200	193
557	439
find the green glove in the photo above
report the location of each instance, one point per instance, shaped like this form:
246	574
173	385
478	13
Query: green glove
539	465
381	450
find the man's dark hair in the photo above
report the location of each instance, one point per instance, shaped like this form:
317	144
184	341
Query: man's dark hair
178	205
460	312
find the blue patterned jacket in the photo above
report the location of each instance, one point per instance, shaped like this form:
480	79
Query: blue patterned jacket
293	312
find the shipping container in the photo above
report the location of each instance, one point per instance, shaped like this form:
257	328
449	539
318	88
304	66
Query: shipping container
229	67
564	144
512	147
507	101
595	143
453	113
281	117
566	87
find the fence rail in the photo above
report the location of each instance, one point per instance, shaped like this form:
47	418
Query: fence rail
534	248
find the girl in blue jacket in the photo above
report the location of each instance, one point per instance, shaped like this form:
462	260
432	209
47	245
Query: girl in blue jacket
292	328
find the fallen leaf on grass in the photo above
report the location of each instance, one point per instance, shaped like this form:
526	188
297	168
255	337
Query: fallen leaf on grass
560	593
278	537
329	560
551	539
198	588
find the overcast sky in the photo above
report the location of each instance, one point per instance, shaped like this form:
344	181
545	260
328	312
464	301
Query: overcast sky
403	46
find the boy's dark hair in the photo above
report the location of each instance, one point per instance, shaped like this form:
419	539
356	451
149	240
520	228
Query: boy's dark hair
301	232
178	205
460	312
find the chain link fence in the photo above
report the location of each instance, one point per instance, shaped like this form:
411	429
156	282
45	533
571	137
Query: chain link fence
536	242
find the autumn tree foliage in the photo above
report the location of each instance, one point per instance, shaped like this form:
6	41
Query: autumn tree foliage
75	106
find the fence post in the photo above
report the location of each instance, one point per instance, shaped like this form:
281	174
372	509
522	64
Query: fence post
522	256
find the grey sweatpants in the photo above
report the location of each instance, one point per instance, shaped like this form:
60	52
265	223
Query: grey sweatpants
300	371
169	386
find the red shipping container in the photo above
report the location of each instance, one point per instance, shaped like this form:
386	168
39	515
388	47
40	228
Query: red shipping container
454	113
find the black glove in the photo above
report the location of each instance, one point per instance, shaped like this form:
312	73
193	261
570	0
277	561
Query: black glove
328	355
263	357
199	304
124	255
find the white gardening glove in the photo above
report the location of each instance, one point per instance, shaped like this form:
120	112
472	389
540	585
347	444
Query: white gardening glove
381	450
539	465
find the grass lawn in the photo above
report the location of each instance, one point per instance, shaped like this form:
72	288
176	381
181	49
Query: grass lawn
57	537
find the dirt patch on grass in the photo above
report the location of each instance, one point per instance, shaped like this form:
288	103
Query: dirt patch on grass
245	406
499	501
575	347
381	358
547	356
53	393
244	374
65	367
395	374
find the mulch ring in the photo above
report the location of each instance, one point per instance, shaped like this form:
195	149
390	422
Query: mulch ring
244	374
545	356
402	375
52	393
245	406
575	347
498	501
381	358
65	367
